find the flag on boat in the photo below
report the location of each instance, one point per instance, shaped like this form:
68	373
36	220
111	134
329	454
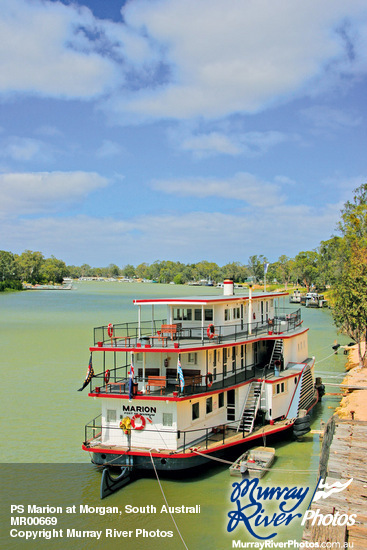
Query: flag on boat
90	374
131	377
266	268
180	374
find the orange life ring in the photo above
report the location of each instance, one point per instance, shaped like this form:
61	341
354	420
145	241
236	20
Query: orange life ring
140	419
209	379
110	330
107	376
210	331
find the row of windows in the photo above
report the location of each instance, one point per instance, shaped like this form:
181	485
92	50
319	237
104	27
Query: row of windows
232	313
208	406
282	387
185	314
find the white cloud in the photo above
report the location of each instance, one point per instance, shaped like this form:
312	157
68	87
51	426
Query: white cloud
216	236
38	192
44	50
174	59
109	149
241	187
327	118
25	149
250	144
243	56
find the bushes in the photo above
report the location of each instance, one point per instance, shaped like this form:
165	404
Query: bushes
10	285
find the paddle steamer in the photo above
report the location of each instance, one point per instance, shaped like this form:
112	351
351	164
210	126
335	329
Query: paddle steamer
219	372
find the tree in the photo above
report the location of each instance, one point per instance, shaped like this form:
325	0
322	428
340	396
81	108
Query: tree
8	266
129	271
305	267
283	269
350	305
30	264
54	270
256	266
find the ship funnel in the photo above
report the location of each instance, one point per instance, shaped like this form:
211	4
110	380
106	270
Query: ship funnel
228	287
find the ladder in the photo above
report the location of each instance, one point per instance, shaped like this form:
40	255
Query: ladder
251	406
277	353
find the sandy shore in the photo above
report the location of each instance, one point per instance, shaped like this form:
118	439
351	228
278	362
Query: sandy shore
354	400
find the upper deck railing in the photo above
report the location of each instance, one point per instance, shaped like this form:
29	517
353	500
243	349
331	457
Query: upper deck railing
149	334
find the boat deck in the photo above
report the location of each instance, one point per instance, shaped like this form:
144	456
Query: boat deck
193	385
214	441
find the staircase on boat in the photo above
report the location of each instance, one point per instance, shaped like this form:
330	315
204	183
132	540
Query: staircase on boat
277	354
253	400
251	406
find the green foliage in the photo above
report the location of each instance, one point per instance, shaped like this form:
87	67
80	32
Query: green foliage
305	267
350	296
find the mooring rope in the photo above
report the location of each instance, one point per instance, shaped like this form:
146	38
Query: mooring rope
324	359
268	469
165	500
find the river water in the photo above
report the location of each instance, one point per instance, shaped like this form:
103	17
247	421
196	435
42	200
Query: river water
45	336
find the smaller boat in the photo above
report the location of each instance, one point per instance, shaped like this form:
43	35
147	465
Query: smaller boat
315	300
296	297
260	460
239	467
255	462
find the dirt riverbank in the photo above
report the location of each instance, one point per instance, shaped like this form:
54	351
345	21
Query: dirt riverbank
354	400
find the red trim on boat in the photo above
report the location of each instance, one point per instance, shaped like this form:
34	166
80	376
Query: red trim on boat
200	348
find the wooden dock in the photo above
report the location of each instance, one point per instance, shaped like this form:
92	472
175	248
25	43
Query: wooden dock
343	457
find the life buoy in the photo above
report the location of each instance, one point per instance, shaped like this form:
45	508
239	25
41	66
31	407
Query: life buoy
107	376
138	422
210	331
110	330
125	424
209	380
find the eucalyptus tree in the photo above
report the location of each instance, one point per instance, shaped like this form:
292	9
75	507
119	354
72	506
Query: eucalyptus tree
350	304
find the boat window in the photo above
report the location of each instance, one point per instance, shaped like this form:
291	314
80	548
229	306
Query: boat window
209	405
167	419
236	313
215	358
195	411
192	358
182	314
111	415
208	315
138	357
221	400
197	314
227	314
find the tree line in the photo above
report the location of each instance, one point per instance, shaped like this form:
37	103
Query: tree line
339	263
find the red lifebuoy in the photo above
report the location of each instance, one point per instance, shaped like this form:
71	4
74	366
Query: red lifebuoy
209	380
110	330
141	422
107	376
210	331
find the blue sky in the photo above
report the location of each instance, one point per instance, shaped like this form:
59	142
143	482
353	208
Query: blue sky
179	129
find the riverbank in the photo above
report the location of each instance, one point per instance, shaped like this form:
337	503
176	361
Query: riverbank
342	459
354	403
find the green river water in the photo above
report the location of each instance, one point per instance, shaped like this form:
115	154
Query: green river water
45	336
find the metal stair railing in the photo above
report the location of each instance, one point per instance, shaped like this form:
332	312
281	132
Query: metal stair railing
249	414
277	350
